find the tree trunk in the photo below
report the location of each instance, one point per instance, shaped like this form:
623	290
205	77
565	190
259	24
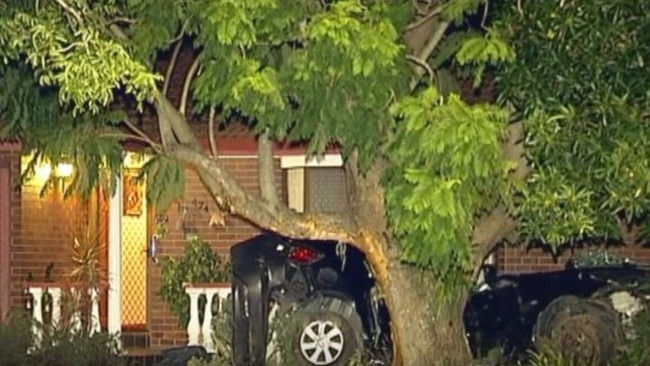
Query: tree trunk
425	336
420	335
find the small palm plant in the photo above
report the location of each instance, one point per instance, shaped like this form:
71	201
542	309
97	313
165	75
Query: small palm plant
86	278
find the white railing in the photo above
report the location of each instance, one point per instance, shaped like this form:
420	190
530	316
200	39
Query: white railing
39	307
200	333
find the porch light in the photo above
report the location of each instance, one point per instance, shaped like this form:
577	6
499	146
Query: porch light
64	170
43	171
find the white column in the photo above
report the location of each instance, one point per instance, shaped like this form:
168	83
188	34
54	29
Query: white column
193	327
37	313
115	260
55	292
75	321
206	328
95	326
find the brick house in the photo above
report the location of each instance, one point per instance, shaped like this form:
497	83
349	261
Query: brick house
36	232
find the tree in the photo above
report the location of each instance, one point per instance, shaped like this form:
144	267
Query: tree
579	82
431	177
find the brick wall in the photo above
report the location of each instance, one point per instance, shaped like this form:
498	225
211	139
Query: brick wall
163	326
10	162
517	259
48	225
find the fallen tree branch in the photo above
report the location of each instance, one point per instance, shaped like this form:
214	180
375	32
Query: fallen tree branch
230	196
172	121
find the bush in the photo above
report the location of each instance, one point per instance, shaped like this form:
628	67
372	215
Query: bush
199	264
15	340
57	347
636	352
63	348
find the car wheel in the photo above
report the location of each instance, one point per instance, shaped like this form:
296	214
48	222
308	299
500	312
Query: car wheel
584	330
328	332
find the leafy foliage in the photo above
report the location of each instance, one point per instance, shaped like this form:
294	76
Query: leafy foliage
58	347
437	191
159	171
578	80
280	74
199	265
33	115
322	72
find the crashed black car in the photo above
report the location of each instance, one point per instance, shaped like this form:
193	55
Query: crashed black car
338	309
329	286
513	313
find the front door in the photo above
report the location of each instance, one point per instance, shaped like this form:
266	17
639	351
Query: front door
135	240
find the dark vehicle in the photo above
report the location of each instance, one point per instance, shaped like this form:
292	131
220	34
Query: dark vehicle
513	312
329	286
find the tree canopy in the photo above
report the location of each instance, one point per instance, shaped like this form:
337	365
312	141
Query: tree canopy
437	181
580	82
302	70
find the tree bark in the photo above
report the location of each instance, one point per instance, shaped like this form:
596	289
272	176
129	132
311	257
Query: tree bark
268	189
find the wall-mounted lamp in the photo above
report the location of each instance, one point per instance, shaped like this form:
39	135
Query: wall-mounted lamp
63	170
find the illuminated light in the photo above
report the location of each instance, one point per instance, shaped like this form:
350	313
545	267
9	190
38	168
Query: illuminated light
64	170
43	171
304	255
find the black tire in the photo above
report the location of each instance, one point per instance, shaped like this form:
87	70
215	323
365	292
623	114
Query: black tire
584	330
338	326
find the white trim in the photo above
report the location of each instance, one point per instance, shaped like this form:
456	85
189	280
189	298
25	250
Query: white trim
296	189
115	260
301	161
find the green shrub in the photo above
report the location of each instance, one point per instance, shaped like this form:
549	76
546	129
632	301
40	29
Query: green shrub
636	352
199	264
57	346
15	340
64	348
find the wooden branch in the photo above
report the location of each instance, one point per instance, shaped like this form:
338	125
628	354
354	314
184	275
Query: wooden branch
230	195
498	224
68	9
165	112
170	117
122	20
140	133
436	11
265	169
211	136
128	136
186	86
181	33
427	50
488	232
513	149
423	64
485	14
171	66
118	32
